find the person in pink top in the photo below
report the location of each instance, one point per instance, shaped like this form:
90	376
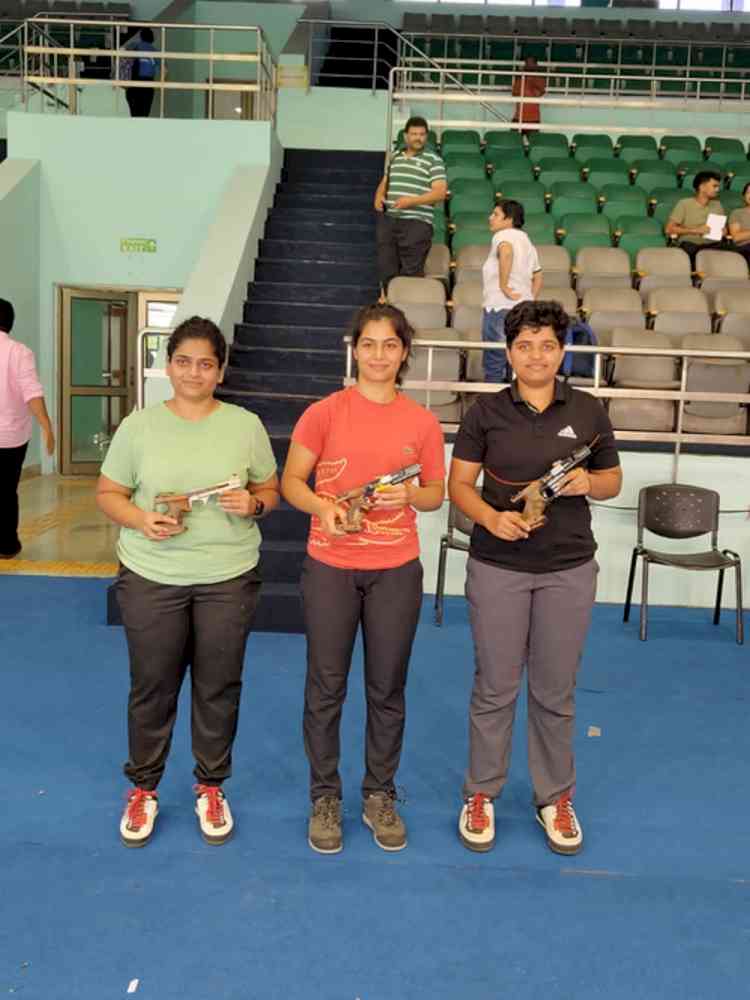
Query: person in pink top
21	396
370	576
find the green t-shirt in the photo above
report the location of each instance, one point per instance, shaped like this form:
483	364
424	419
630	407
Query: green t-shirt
689	212
155	451
413	175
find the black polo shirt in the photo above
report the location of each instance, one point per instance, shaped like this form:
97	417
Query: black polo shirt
518	444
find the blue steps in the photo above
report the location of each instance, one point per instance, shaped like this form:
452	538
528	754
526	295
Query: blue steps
316	267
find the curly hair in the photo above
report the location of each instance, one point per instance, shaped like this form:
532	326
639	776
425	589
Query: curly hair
535	315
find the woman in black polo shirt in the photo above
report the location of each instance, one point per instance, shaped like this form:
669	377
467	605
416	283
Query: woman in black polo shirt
530	588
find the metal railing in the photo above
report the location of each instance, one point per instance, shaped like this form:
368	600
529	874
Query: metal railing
64	52
598	387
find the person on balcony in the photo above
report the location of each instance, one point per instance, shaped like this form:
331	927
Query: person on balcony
404	200
530	84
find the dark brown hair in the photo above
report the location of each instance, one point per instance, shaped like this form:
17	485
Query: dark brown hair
535	315
401	327
198	328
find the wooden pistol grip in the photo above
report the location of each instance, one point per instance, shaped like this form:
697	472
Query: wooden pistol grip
176	505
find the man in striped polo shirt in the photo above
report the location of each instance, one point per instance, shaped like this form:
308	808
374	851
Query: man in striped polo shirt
404	200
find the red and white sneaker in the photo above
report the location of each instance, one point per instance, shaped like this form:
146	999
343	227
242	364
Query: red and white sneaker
214	815
137	823
476	824
564	833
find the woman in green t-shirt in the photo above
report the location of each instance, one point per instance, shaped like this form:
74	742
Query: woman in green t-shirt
188	584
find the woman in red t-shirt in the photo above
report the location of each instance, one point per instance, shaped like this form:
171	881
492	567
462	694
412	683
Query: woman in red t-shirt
371	576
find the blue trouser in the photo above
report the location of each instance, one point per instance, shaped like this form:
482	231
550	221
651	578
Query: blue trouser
493	331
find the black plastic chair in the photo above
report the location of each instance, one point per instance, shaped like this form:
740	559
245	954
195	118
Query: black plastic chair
679	511
457	522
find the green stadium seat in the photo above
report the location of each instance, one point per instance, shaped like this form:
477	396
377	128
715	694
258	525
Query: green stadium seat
570	189
615	209
739	181
504	140
731	200
459	139
603	172
470	220
471	201
691	167
636	147
521	169
633	242
691	147
462	155
470	238
638	225
715	144
557	168
566	205
602	143
545	144
521	189
732	167
466	171
540	228
585	223
621	192
654	173
719	158
573	242
470	185
663	210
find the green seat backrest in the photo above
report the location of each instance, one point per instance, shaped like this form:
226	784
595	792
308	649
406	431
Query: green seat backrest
561	207
638	225
739	181
731	200
470	238
540	227
601	178
633	242
465	138
470	220
570	189
521	170
558	148
585	222
472	185
458	156
691	145
615	209
466	171
647	181
719	158
732	167
475	203
715	144
622	192
504	140
573	242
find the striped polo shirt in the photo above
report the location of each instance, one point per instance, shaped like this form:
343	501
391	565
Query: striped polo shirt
410	176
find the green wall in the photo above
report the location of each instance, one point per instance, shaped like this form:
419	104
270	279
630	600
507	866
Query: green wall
101	179
19	257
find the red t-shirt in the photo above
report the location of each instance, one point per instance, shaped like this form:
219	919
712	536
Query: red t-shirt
355	441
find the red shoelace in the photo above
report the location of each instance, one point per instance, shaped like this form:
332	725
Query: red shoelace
215	810
478	818
137	807
564	818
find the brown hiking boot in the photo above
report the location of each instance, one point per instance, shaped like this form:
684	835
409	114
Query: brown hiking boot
324	829
379	813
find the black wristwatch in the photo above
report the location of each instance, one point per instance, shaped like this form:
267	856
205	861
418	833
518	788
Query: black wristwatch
260	509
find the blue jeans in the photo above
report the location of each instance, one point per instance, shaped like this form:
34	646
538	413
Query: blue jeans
493	331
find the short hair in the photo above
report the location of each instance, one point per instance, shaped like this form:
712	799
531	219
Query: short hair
513	210
745	188
391	314
147	35
7	315
198	328
535	315
705	175
416	121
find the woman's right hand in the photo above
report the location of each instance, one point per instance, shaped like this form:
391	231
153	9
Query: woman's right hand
508	525
332	519
156	527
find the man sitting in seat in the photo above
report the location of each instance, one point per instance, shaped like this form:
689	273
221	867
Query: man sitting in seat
688	220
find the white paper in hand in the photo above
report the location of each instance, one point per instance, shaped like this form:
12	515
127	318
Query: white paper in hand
716	225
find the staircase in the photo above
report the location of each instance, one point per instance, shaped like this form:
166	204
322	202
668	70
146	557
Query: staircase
315	268
351	58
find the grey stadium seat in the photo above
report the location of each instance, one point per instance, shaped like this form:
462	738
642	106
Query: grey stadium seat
732	300
737	325
675	299
438	263
421	299
555	263
605	321
565	296
612	299
715	375
721	270
644	372
601	267
682	323
466	319
445	367
469	262
662	267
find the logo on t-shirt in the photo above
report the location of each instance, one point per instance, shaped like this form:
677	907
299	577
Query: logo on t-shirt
567	432
409	450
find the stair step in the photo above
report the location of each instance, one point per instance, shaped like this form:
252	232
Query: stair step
284	249
282	383
297	212
294	361
273	410
315	337
285	524
333	202
281	561
285	292
279	608
323	231
354	159
308	188
317	272
291	313
323	175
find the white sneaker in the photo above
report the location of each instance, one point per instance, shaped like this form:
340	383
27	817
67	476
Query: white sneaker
137	823
214	815
564	833
476	824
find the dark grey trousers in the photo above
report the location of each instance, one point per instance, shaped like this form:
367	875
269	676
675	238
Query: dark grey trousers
386	603
402	245
168	628
539	620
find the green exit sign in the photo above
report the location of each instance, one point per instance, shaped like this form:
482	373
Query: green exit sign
135	244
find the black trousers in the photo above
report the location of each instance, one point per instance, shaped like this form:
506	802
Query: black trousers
139	101
386	603
168	628
11	463
402	245
693	249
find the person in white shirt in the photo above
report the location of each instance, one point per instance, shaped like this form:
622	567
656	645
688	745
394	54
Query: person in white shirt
511	274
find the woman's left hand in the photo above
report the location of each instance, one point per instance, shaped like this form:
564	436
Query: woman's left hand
392	497
577	484
241	503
